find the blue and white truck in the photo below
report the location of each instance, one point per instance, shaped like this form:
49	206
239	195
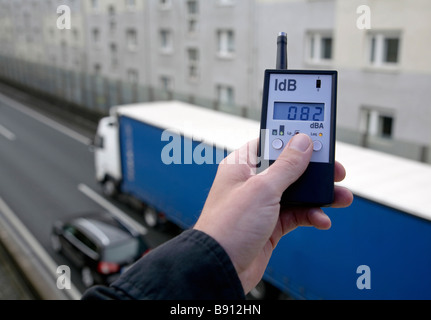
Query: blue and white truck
165	155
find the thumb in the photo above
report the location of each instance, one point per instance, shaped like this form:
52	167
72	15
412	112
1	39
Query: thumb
291	163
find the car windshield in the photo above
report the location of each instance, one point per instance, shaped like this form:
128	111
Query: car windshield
123	251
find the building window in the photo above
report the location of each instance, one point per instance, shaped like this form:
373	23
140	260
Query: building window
192	25
192	7
226	43
130	4
166	86
326	48
319	47
97	69
112	27
166	41
64	50
95	4
386	126
165	4
132	39
377	123
193	62
75	35
166	83
193	55
114	56
225	96
192	19
52	33
96	36
384	49
111	11
132	76
112	20
76	60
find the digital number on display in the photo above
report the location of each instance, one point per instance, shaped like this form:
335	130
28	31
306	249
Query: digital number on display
299	111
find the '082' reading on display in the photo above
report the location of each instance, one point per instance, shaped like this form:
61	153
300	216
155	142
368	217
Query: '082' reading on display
298	111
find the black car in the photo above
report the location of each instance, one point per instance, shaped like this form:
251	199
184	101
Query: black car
101	245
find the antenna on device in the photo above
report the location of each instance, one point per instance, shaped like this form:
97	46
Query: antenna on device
282	51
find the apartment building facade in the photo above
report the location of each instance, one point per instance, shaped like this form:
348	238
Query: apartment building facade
385	100
213	53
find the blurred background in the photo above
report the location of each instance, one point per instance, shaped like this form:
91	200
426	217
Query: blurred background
213	54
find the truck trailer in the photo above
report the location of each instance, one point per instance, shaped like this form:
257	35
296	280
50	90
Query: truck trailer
165	155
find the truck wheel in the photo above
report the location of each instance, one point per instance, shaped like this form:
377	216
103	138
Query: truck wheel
258	292
87	277
151	217
109	188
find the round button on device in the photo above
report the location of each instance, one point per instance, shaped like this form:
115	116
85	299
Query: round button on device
277	144
317	145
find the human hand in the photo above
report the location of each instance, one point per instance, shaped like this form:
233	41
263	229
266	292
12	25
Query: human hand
243	213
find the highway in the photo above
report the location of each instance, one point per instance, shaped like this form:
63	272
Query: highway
47	173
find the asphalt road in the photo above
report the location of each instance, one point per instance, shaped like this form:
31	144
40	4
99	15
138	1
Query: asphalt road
47	173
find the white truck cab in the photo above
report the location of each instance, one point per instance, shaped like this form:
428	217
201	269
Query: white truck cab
107	155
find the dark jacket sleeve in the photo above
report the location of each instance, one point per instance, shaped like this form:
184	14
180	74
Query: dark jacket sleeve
191	266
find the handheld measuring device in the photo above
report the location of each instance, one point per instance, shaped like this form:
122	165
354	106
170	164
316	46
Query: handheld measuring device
300	101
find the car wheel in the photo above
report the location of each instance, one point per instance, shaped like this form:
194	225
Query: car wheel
151	217
109	188
263	291
55	243
258	292
87	277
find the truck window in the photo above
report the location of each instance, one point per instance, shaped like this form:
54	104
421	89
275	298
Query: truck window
98	142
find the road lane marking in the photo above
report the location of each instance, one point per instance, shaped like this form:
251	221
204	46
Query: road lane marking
93	195
45	120
7	133
35	247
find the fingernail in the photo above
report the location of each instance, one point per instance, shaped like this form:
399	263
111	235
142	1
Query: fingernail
299	142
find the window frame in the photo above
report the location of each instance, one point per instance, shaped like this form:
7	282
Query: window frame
314	48
226	46
377	54
132	41
372	122
166	41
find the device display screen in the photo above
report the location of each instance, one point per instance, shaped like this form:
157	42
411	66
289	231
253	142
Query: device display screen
298	111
